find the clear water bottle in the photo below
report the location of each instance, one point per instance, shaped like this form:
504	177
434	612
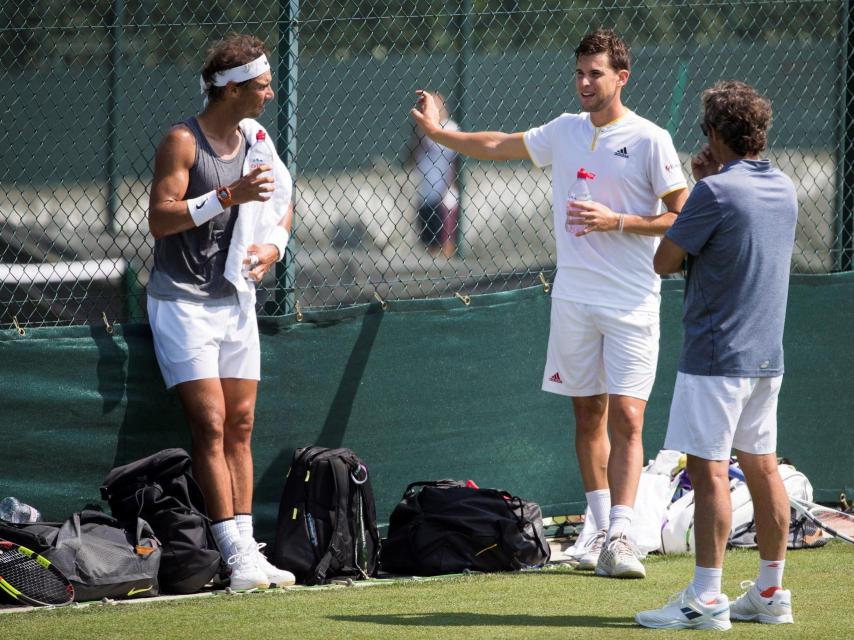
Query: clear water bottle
579	192
261	152
13	510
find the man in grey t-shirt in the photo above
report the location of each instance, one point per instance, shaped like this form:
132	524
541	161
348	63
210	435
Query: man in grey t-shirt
737	230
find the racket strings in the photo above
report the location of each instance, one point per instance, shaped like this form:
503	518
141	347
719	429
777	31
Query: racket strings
32	579
838	521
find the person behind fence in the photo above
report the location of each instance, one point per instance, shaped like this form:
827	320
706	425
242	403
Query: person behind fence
438	196
200	306
603	341
737	230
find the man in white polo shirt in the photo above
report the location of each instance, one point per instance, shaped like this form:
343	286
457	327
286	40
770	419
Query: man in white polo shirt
603	341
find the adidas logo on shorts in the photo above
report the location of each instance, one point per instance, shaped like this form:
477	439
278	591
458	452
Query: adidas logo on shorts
556	378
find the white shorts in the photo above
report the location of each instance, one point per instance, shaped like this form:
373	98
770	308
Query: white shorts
711	415
194	341
594	350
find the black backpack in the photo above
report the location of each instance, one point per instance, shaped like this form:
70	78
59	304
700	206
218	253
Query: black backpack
100	557
161	490
327	524
448	527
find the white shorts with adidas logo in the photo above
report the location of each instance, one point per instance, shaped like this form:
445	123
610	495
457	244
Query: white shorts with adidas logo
594	350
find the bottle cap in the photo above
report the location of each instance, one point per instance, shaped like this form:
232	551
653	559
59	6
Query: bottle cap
260	135
585	174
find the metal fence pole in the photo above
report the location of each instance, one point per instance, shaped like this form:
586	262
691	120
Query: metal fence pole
463	31
846	140
286	141
113	115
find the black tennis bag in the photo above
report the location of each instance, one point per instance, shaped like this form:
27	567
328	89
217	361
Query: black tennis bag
161	490
100	557
448	527
327	524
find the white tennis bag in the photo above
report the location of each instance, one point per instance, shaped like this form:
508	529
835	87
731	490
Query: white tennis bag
677	531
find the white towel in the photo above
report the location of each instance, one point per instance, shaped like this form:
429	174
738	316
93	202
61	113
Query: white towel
255	220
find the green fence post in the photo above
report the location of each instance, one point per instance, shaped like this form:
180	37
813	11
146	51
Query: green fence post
286	141
113	171
133	294
462	27
676	99
845	180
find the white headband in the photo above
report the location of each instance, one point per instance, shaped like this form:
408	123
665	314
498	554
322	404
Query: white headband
237	74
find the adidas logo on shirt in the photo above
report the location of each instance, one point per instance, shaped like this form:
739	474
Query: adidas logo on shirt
623	153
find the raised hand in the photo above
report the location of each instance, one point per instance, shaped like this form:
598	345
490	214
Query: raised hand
426	112
253	186
703	164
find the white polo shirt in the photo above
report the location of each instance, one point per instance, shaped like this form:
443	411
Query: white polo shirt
636	165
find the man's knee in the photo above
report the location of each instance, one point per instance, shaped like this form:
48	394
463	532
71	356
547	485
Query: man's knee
240	418
708	476
625	419
589	412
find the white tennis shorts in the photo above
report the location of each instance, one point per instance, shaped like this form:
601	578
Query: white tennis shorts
711	415
594	350
195	341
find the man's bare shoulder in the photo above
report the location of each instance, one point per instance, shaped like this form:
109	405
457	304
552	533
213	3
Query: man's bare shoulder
180	143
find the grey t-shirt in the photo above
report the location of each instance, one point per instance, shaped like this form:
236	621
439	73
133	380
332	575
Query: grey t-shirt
190	265
738	229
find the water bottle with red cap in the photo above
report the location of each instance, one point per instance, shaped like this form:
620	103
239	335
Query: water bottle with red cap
260	153
579	191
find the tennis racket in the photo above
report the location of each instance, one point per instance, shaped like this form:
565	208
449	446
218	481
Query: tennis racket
31	579
836	523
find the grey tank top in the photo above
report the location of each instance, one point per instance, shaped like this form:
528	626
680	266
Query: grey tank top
191	265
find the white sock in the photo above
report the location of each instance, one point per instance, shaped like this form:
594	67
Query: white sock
599	502
621	520
227	535
244	525
770	574
707	583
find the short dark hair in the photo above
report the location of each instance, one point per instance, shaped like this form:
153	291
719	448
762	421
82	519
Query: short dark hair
739	115
232	51
606	41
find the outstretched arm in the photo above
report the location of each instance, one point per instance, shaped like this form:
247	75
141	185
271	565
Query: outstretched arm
482	145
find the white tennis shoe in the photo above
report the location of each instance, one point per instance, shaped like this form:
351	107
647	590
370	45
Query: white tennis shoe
619	559
246	572
752	606
686	611
590	558
277	577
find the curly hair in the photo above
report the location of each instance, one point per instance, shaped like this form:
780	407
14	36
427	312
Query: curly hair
606	41
232	51
739	115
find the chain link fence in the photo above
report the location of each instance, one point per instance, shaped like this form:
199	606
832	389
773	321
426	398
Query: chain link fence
92	87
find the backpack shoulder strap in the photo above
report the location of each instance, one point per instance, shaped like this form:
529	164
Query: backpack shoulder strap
341	477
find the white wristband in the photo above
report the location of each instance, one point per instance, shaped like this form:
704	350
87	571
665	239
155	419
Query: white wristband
204	208
620	225
279	236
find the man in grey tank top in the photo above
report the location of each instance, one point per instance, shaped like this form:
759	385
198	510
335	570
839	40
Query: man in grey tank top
737	230
206	342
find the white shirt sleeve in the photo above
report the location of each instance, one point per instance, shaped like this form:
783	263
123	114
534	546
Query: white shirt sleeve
540	143
665	168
